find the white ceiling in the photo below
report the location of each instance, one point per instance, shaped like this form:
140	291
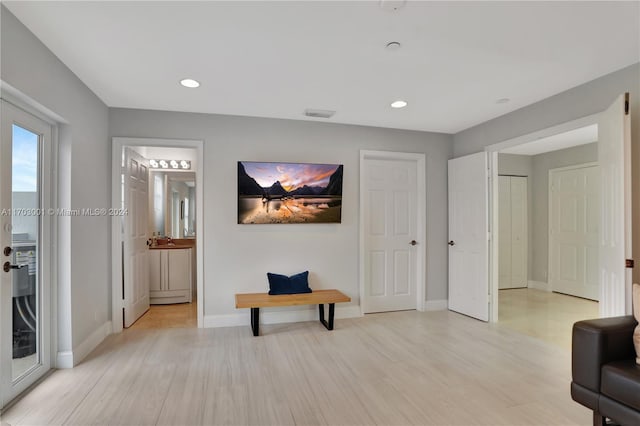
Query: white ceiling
581	136
275	59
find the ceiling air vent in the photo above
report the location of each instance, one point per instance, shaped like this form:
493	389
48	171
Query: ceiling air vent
319	113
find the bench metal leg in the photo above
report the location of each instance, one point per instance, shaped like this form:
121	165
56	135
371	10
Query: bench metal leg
328	324
255	321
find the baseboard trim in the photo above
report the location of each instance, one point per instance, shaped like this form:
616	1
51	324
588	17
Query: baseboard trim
436	305
64	359
539	285
276	317
69	359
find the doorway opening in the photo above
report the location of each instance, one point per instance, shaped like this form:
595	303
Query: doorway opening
158	242
548	218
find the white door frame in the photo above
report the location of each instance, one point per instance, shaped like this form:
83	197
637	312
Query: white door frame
493	191
48	173
116	265
421	204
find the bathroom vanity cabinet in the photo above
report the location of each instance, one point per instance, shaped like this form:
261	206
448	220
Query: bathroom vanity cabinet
170	275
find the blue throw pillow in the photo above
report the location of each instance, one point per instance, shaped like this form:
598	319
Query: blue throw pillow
282	284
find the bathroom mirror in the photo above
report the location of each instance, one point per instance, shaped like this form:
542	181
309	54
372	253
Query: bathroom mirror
172	199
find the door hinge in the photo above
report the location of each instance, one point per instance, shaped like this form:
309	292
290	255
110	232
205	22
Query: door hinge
628	263
626	104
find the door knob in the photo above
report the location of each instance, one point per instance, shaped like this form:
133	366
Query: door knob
451	243
413	242
7	251
8	266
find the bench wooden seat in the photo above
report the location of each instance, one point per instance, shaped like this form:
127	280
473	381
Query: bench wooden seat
255	301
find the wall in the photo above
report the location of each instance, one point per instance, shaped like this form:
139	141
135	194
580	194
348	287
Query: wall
521	165
586	99
542	163
84	161
237	257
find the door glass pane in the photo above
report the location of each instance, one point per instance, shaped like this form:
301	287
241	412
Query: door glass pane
26	234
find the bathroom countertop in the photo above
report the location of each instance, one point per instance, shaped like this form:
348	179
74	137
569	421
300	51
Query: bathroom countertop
170	247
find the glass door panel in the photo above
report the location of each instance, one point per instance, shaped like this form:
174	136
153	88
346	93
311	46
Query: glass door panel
25	241
25	201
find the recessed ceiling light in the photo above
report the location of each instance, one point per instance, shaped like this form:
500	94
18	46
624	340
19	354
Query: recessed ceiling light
393	45
503	100
398	104
188	82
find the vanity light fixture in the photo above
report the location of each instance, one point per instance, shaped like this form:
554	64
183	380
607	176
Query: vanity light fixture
190	83
398	104
170	164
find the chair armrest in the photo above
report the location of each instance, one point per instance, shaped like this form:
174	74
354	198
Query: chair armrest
597	342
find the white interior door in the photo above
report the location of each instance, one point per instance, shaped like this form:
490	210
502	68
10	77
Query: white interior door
468	235
614	158
136	238
25	241
512	220
390	234
504	232
574	220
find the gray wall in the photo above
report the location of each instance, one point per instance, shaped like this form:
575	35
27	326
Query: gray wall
84	296
237	257
586	99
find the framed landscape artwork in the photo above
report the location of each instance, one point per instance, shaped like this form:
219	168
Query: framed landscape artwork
289	192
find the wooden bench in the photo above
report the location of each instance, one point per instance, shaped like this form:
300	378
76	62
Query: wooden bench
255	301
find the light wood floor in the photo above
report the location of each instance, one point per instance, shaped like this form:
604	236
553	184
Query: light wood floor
397	368
545	315
178	315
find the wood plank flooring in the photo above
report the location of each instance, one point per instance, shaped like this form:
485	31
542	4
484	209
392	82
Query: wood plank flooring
177	315
397	368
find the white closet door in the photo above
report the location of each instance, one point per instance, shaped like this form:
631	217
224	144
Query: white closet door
504	231
512	232
518	231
